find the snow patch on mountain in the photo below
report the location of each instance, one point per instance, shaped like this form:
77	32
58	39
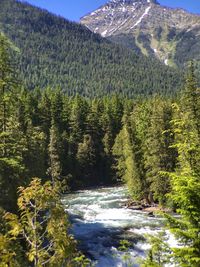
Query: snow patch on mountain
148	28
118	27
141	18
104	33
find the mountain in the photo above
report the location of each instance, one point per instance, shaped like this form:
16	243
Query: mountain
58	53
171	35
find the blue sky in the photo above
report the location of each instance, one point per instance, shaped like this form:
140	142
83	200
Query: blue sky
74	9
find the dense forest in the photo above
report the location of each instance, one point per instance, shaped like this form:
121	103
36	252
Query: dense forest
57	53
152	144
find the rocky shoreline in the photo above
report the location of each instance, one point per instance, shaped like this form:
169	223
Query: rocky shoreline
150	209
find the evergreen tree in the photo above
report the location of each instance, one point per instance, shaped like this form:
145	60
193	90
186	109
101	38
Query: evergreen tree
185	194
191	98
131	169
77	122
159	254
185	182
57	109
189	114
8	82
35	155
55	169
87	160
158	156
11	137
45	110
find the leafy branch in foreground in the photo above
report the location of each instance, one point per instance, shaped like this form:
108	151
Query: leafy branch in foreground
159	252
43	223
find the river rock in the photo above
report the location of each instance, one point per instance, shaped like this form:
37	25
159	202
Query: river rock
136	207
130	204
151	214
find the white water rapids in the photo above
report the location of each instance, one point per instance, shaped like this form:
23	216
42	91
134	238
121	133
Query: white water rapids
100	221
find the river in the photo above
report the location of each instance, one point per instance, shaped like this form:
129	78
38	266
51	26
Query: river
100	220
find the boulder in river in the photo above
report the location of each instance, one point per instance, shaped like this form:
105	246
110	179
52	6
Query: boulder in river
136	207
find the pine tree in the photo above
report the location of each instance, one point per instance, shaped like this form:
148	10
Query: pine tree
129	160
191	98
77	123
57	109
45	112
78	114
185	195
185	181
8	82
12	144
55	168
190	111
159	253
87	160
158	156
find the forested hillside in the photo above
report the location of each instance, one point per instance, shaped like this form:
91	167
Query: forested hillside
58	53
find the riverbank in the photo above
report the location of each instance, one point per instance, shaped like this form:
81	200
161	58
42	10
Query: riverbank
151	209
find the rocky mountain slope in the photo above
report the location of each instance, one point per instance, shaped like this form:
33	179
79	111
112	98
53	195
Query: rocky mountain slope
58	53
172	35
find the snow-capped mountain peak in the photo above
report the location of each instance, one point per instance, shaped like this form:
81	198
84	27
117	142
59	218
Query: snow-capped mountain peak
115	15
129	2
147	27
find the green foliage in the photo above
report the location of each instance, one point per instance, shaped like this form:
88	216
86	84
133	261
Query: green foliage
131	168
158	255
11	252
186	187
159	156
57	53
143	151
186	196
54	154
82	261
185	183
43	224
124	245
12	142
